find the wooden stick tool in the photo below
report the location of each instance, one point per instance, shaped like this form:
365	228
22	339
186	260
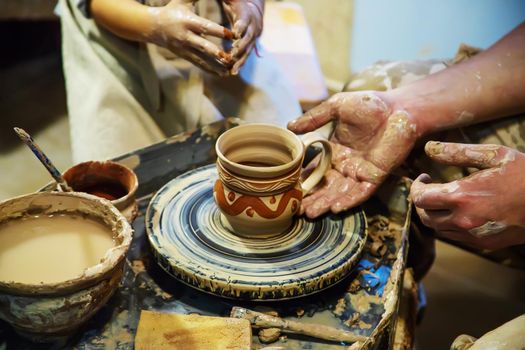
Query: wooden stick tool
258	319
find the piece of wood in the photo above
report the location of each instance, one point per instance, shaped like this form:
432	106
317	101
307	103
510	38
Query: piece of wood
174	331
406	321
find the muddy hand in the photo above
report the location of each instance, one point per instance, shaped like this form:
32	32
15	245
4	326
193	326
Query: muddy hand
179	29
370	139
246	18
483	210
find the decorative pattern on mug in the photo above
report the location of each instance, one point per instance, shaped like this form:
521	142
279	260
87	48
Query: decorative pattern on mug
250	204
266	186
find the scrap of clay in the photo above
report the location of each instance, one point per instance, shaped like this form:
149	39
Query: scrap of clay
340	307
353	320
364	325
174	331
377	248
354	286
269	335
267	311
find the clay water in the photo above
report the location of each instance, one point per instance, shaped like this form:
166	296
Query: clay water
51	248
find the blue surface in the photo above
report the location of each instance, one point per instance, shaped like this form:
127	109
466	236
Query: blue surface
376	278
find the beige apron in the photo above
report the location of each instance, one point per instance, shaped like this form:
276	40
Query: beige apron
123	95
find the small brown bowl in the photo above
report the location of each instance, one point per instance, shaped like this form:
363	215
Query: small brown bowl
106	179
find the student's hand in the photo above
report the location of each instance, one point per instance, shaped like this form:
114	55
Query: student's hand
484	210
371	138
180	30
246	18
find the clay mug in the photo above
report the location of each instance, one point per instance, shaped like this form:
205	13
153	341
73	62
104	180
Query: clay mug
259	189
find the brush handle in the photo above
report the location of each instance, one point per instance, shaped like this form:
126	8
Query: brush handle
28	140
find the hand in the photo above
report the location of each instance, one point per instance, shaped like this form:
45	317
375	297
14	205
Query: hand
483	210
180	30
370	139
246	18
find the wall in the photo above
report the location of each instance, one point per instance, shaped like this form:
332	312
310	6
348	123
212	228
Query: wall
330	23
410	29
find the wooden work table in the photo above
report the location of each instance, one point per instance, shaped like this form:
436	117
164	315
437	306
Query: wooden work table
377	280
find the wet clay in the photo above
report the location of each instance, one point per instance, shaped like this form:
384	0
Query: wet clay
51	248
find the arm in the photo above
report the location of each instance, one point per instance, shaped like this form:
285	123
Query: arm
174	26
127	19
484	210
490	85
375	131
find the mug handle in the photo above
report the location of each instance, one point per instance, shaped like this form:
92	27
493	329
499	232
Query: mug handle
324	165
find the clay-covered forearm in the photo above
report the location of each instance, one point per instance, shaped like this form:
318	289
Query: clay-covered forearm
174	26
490	85
127	19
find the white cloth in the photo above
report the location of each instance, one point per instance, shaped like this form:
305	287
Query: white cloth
509	336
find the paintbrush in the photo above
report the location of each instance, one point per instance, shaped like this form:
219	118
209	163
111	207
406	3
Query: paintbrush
28	140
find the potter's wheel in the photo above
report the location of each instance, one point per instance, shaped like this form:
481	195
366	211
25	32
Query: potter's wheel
192	244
